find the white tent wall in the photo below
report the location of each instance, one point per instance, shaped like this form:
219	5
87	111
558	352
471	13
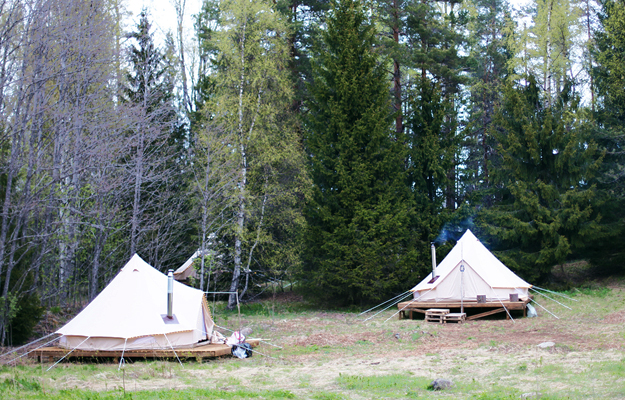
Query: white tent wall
177	340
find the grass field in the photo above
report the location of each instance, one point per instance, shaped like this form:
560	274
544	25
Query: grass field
335	355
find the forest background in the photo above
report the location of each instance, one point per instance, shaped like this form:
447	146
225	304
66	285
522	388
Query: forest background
321	144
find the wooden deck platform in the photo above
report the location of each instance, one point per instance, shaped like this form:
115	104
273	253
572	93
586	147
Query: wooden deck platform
408	308
50	354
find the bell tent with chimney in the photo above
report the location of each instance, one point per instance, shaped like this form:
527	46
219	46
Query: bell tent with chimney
141	313
135	311
470	276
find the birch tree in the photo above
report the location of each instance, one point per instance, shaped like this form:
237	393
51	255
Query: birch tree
252	93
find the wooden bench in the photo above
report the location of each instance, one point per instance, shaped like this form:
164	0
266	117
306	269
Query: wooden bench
436	315
455	317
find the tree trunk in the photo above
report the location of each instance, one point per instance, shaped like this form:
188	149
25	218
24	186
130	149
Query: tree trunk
243	180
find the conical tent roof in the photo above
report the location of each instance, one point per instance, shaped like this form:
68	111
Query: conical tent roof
134	305
483	274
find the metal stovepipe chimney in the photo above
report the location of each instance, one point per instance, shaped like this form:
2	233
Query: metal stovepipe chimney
170	294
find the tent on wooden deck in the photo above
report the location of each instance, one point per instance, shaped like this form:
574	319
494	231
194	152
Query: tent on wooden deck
131	314
483	275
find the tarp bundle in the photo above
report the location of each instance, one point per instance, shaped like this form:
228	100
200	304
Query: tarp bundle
130	314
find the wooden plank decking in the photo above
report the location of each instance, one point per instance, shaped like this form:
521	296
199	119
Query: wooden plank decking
206	351
407	308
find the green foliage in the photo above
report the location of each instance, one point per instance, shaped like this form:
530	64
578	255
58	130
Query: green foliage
382	382
28	315
609	79
359	212
599	292
432	146
490	27
147	83
265	308
22	384
545	209
252	141
385	385
610	71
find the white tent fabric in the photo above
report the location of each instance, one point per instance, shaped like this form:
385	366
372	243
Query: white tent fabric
130	313
483	274
186	270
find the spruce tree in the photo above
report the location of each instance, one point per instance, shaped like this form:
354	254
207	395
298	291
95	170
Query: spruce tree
434	35
358	214
150	147
489	55
547	208
609	79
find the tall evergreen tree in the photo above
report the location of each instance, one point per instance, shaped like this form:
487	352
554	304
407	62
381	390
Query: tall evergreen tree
489	27
151	146
359	212
433	33
609	81
547	209
432	147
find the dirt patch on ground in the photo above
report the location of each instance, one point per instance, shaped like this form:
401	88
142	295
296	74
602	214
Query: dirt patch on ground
324	339
615	318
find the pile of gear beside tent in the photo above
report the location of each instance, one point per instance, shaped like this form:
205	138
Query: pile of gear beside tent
144	313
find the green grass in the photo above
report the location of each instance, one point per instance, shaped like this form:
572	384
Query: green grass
188	394
593	291
266	308
385	386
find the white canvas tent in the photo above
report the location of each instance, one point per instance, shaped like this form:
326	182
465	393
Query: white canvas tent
186	270
131	314
483	274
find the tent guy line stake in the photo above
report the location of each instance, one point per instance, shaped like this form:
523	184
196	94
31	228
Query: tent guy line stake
534	301
172	348
27	344
542	294
373	308
62	358
504	307
121	360
391	305
270	344
556	293
36	348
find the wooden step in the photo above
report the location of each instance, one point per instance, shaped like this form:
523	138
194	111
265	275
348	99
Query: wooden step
436	315
455	317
